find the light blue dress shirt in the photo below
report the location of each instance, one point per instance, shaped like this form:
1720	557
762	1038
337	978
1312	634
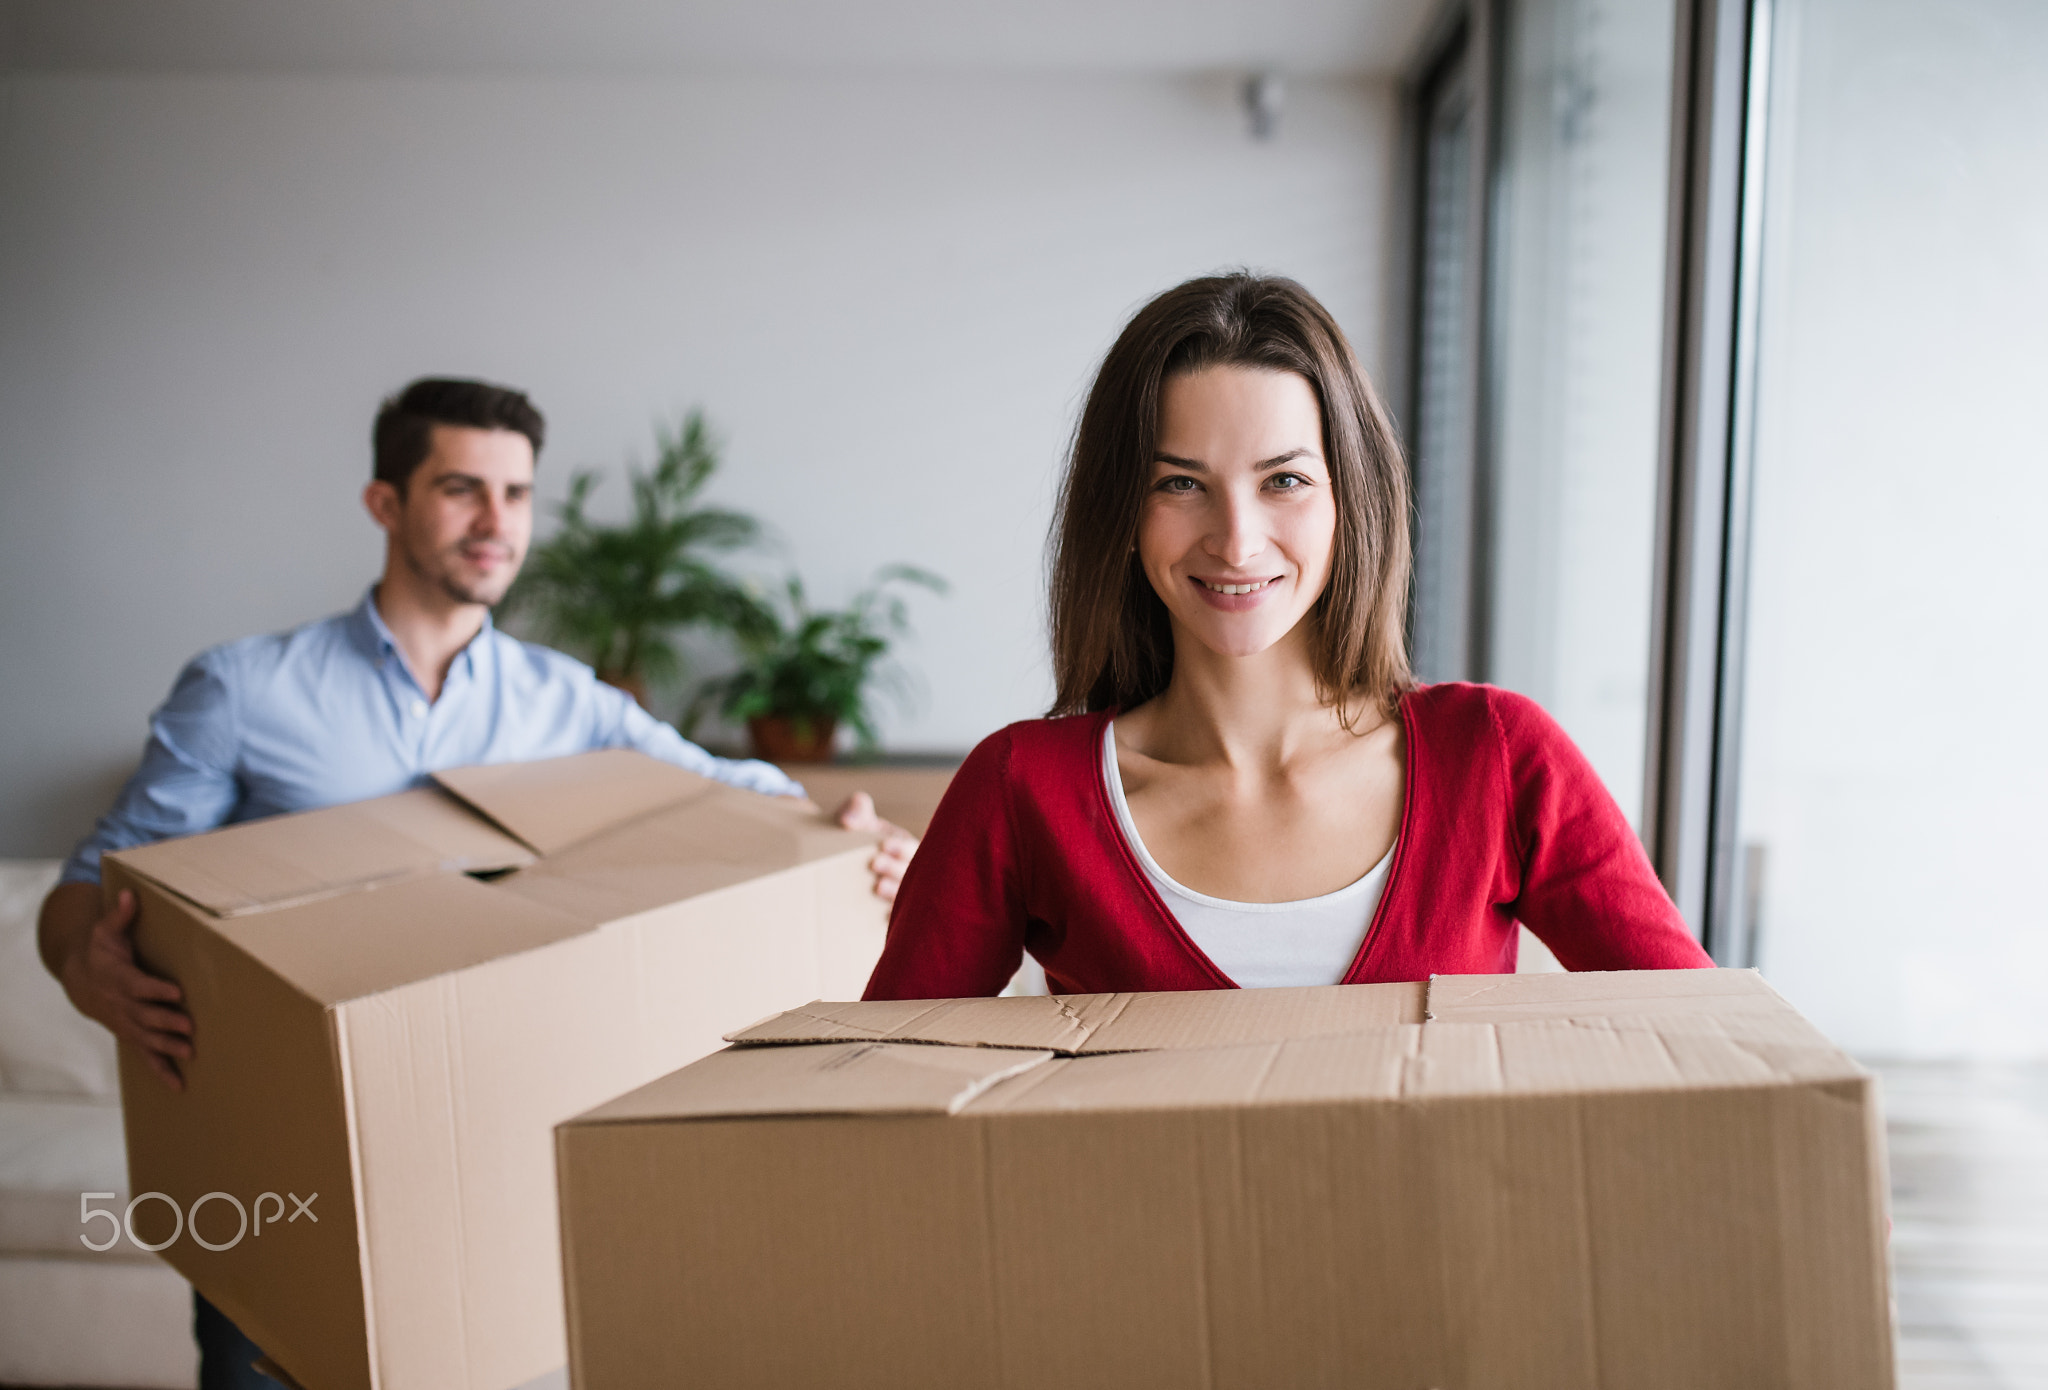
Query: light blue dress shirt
330	712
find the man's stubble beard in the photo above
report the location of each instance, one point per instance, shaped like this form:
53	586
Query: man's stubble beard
443	577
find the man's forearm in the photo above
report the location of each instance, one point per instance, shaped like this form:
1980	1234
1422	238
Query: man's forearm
66	922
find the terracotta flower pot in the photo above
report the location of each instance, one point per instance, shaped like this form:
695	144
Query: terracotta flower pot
635	686
778	740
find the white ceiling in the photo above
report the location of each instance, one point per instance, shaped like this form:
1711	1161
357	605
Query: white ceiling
1306	37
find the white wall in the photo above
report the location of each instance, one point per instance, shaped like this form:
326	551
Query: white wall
1896	769
887	292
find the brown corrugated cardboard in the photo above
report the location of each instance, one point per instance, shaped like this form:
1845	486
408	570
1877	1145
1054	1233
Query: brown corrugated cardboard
395	1001
907	796
1091	1023
1625	1180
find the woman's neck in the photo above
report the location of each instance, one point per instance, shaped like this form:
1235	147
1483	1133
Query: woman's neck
1245	712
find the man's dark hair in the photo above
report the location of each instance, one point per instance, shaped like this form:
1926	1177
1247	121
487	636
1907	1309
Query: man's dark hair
404	433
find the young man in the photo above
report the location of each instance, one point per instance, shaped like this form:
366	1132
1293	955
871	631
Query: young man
414	679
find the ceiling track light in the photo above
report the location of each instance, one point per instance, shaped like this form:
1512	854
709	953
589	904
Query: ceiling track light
1264	93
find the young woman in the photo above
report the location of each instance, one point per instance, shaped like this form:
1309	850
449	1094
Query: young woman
1242	785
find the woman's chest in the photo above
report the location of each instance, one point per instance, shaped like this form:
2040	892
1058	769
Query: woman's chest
1271	839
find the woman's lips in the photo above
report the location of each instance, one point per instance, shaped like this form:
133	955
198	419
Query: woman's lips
1234	595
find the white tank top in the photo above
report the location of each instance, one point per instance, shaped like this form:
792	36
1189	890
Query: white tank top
1259	945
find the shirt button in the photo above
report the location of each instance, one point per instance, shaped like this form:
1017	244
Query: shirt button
419	709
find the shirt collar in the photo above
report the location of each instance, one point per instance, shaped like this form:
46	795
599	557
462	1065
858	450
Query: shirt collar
366	625
465	660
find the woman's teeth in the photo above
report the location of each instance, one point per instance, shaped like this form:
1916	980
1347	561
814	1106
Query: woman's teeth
1234	588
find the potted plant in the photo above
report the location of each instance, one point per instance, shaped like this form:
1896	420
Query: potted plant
805	671
618	596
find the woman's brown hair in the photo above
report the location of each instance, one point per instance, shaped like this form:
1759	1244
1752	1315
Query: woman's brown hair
1112	644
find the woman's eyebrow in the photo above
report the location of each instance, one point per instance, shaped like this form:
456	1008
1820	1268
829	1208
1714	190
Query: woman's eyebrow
1290	456
1197	466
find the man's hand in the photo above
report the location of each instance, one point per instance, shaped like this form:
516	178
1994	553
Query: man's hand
892	856
92	954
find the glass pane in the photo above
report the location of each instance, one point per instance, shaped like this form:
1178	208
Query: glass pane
1442	597
1578	302
1894	784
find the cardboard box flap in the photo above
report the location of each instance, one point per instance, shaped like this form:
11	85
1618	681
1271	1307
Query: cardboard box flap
1078	1024
1658	1053
1357	1066
396	934
724	837
287	859
1053	1023
465	840
1603	994
1233	1017
722	825
1413	1062
557	802
856	1078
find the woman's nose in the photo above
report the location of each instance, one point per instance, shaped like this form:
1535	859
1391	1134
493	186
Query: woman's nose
1238	537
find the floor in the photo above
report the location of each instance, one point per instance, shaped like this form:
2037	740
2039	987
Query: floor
1969	1160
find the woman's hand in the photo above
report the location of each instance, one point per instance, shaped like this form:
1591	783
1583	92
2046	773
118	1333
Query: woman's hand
892	856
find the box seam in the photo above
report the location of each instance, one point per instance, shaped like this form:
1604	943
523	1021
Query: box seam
338	1030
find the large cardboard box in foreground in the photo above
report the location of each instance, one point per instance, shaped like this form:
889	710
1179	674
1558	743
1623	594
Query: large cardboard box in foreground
395	1002
1642	1181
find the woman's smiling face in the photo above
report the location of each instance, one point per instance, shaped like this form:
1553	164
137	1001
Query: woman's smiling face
1238	523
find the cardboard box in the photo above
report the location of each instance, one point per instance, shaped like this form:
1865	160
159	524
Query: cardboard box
906	795
1642	1180
395	1002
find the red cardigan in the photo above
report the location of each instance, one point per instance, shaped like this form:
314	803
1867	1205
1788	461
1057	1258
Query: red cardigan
1502	820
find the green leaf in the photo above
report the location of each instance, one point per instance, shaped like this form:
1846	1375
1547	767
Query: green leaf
807	664
618	596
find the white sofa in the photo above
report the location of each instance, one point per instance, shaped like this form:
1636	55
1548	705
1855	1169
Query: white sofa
69	1316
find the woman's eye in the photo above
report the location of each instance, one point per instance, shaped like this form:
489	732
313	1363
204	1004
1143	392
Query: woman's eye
1288	482
1179	482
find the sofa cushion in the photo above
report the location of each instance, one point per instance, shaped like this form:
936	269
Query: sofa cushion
52	1149
74	1322
46	1046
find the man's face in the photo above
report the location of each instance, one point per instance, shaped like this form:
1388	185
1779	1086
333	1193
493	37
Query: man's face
463	525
